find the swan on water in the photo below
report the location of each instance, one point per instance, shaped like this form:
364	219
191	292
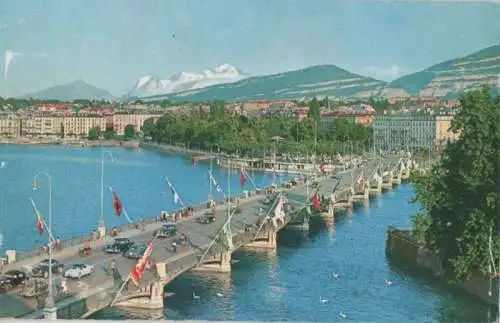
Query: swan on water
195	296
220	294
343	315
323	300
335	275
388	282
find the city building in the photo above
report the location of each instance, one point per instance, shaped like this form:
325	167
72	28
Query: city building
10	126
120	121
412	131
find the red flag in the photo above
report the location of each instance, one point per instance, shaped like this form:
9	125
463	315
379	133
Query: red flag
117	204
193	161
322	168
39	226
315	201
243	178
140	267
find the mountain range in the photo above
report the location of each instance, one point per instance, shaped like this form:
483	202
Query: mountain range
76	90
447	80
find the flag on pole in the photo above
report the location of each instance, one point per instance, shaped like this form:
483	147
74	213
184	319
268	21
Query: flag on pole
214	182
243	178
175	195
322	168
140	267
193	161
315	201
117	204
39	218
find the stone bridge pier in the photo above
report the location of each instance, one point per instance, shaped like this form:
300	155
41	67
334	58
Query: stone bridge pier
362	192
345	202
387	180
147	297
220	262
397	177
266	239
376	187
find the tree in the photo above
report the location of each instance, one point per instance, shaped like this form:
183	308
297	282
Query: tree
460	196
94	133
129	131
313	112
109	133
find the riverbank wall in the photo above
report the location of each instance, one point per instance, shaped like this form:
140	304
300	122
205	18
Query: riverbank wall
24	141
403	246
171	149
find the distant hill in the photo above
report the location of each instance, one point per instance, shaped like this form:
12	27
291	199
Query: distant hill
450	78
77	90
322	80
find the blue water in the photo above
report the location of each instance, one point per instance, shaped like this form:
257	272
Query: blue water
137	176
288	285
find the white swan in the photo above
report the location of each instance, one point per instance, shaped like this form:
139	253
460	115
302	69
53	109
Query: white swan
195	296
343	315
220	294
335	275
388	282
323	300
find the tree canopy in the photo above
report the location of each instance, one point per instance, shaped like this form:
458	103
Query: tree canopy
253	134
460	196
129	131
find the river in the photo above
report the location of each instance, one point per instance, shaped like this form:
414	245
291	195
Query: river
295	283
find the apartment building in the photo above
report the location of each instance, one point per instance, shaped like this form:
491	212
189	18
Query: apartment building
120	121
10	126
412	131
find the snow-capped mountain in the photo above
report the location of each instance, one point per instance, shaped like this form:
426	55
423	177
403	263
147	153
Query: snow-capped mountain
183	81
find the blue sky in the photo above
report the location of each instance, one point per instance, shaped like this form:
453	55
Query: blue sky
112	43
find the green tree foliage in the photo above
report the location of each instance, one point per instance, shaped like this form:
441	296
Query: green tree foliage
313	112
252	135
109	133
94	133
129	131
148	127
461	195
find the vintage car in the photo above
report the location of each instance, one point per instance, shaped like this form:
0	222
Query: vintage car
206	218
42	269
16	276
119	245
167	230
77	271
5	284
135	252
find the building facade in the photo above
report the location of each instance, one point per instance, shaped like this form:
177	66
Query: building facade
120	121
412	131
10	126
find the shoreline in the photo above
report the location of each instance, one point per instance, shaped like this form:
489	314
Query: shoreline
25	141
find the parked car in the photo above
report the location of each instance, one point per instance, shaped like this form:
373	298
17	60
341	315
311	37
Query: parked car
16	276
206	218
42	269
135	252
167	230
5	284
119	245
77	271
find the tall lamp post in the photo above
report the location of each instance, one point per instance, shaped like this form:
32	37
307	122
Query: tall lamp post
102	226
276	139
50	311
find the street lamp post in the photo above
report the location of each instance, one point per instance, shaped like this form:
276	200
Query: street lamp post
102	226
211	174
50	311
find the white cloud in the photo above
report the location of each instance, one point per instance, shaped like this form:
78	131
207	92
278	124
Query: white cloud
385	73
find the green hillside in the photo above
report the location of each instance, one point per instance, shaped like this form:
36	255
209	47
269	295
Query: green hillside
450	78
309	82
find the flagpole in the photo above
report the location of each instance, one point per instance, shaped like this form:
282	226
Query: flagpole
250	178
212	178
174	191
51	236
209	179
130	276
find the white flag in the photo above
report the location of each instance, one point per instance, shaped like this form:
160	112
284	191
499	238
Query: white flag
214	182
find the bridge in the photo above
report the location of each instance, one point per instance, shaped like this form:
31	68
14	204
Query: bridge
256	226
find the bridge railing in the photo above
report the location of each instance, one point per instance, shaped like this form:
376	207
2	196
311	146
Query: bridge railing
67	243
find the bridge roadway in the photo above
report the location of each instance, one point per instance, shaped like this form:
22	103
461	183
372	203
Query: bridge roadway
97	290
